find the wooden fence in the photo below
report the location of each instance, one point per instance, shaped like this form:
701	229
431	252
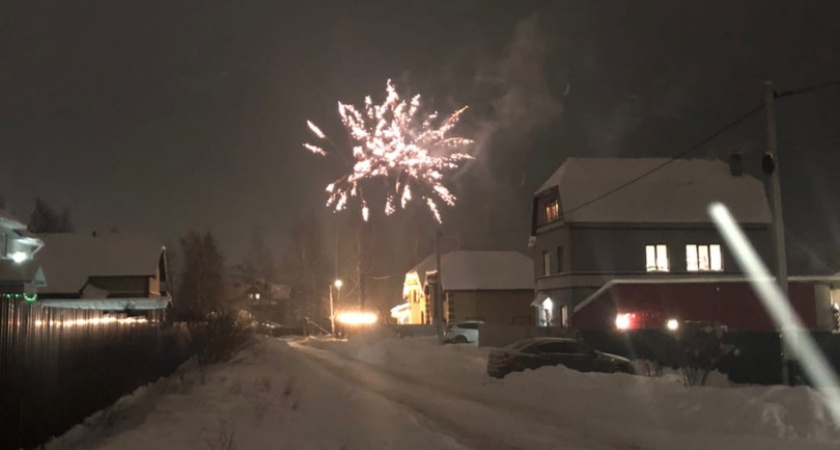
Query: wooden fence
58	366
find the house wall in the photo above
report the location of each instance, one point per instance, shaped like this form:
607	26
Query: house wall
154	284
495	307
733	304
417	300
621	249
595	254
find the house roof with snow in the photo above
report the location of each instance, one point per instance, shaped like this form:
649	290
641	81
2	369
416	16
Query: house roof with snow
479	270
70	259
678	192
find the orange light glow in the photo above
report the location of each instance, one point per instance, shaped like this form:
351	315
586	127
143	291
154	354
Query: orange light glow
356	318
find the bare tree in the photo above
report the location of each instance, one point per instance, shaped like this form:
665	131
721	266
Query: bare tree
307	269
44	219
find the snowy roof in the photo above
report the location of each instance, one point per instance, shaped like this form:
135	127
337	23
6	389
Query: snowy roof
8	220
679	192
480	270
69	259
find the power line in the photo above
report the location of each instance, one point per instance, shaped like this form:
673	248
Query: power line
680	155
691	149
807	89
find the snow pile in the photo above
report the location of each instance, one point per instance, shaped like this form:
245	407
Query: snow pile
623	404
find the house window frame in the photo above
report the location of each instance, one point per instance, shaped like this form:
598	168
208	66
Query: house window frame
551	210
657	258
546	263
713	261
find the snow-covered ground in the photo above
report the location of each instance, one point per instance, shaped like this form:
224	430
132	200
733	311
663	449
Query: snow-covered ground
413	393
626	410
270	397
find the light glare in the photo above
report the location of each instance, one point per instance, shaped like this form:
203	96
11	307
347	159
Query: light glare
356	318
794	335
622	321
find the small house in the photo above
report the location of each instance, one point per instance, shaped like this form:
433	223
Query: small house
108	272
492	286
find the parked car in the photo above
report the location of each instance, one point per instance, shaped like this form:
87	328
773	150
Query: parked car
538	352
462	332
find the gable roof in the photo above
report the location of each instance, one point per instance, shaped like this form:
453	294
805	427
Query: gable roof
679	192
69	259
480	270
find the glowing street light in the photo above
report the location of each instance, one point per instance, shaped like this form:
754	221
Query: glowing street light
672	324
337	283
357	318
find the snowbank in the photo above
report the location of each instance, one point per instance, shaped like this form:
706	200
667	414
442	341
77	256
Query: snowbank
650	410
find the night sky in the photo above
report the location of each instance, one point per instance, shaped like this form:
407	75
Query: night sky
161	116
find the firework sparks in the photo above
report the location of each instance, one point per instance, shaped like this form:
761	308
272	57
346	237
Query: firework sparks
393	142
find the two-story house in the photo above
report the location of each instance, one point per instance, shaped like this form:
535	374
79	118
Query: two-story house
610	234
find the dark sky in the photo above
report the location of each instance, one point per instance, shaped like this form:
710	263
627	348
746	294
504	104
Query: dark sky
161	116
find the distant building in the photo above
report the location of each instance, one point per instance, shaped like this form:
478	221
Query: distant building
267	301
633	236
493	286
110	272
20	274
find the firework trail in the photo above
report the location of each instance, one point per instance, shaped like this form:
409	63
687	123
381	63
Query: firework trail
394	142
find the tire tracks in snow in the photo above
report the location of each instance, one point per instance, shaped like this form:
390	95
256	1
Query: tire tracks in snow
473	422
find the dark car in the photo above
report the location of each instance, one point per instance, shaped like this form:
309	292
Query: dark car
539	352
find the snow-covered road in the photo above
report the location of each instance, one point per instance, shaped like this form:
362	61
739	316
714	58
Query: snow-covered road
554	405
416	394
473	422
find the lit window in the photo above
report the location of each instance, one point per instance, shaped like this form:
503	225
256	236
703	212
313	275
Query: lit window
552	211
656	257
546	263
703	258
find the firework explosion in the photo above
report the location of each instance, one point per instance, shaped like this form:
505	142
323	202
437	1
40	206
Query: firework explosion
394	142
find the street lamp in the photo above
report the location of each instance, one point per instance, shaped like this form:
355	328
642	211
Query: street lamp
337	283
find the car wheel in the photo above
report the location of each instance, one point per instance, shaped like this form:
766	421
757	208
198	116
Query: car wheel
460	339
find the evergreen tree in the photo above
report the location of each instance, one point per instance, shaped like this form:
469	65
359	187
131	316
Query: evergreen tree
201	281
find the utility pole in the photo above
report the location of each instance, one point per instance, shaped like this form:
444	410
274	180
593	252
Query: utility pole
332	312
438	305
770	165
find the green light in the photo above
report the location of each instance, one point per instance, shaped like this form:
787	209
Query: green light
31	298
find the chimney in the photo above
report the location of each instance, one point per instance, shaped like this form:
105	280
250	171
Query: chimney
736	167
